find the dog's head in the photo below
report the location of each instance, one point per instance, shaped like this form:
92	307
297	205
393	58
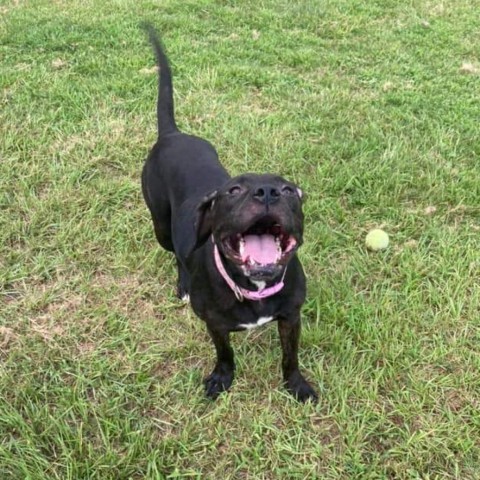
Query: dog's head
256	222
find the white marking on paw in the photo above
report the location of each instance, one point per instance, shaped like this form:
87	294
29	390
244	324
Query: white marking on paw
186	298
261	321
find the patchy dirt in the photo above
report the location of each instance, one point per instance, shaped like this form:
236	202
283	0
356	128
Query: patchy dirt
328	432
58	63
7	335
149	70
469	68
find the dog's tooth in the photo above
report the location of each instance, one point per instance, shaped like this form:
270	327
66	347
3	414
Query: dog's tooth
278	245
241	247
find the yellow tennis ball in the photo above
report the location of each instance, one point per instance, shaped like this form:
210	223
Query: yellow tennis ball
376	240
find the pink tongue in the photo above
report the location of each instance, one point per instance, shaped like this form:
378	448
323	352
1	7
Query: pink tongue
261	248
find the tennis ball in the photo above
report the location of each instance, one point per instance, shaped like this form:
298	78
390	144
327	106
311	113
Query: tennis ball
376	240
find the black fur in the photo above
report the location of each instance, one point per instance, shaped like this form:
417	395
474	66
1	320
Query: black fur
194	203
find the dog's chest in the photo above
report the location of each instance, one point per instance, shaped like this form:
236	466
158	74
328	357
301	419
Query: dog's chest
258	323
250	315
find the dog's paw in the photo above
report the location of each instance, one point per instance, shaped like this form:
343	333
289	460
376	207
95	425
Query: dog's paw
217	382
301	389
182	293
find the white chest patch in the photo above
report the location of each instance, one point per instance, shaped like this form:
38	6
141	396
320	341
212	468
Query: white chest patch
258	323
260	285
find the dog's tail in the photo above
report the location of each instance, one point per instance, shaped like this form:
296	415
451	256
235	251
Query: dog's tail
165	111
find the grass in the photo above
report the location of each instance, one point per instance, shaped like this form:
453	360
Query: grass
372	107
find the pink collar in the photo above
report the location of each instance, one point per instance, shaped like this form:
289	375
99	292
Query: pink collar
240	292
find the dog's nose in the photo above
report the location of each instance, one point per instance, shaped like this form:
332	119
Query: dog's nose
267	194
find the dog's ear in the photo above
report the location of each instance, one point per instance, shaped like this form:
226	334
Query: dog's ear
203	220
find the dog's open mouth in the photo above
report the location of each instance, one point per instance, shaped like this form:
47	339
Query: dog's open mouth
263	247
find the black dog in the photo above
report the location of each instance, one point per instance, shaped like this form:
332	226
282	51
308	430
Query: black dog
234	239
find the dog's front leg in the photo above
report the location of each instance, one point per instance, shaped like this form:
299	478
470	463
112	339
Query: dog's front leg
296	384
222	375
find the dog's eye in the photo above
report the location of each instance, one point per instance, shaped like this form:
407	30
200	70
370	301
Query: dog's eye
234	190
287	190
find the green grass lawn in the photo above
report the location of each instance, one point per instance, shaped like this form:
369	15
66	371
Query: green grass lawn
372	106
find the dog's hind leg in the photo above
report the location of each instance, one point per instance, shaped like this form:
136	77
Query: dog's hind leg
159	206
163	235
183	283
